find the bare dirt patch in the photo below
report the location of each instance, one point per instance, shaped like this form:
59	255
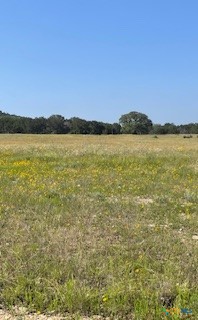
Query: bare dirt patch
22	315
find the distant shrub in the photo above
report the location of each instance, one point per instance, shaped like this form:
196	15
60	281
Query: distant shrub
188	137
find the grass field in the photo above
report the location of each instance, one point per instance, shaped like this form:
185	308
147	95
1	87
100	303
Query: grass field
99	225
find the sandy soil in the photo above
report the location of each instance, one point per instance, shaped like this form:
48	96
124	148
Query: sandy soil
22	315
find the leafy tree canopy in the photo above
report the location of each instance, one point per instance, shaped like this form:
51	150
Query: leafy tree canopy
135	123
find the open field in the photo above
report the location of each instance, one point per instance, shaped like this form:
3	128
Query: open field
99	225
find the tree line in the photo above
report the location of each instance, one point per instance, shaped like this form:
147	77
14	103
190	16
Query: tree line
131	123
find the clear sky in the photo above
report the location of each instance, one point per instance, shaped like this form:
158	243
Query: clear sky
99	59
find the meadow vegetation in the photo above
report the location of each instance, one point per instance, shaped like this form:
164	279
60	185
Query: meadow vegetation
99	225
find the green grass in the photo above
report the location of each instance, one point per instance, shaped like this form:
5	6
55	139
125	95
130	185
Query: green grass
99	225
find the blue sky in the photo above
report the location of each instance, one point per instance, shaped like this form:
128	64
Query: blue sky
99	59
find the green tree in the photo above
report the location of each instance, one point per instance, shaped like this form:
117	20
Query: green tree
158	129
171	128
39	125
116	128
78	126
95	127
57	124
191	128
135	123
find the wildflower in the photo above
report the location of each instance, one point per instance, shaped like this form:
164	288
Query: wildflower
105	298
